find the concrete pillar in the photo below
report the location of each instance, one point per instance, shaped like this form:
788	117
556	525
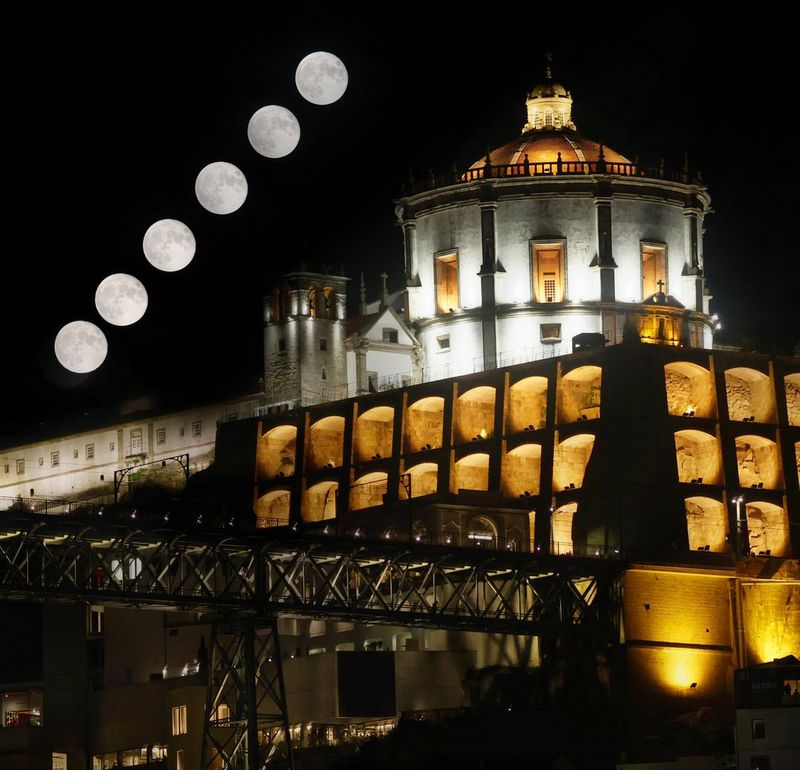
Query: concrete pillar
692	237
487	276
605	255
362	378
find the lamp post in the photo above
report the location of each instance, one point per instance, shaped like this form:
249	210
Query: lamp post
742	541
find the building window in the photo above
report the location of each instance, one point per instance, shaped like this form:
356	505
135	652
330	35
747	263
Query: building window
550	332
111	446
179	720
323	344
20	466
59	761
390	335
96	620
447	283
136	441
7	468
181	431
313	298
197	428
329	296
758	728
90	451
41	461
74	454
161	436
654	269
179	765
547	269
443	342
55	459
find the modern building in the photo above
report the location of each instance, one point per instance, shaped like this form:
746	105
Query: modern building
545	383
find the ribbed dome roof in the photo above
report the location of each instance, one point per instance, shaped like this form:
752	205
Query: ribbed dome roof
545	146
548	89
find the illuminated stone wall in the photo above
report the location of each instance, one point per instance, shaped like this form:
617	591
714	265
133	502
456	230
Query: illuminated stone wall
792	391
771	613
324	444
758	462
521	470
690	389
527	405
374	433
579	394
424	424
474	415
750	395
698	457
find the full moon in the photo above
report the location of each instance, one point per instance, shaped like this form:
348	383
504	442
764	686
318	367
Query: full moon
273	131
81	347
121	299
221	188
169	245
321	78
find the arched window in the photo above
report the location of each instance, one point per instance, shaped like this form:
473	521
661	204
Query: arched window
482	532
313	299
548	117
329	298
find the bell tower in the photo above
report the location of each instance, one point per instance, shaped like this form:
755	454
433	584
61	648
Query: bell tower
305	319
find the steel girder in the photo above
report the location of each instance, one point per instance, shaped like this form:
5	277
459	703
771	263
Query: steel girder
266	573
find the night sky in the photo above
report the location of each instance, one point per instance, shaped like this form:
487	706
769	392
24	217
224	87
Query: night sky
107	132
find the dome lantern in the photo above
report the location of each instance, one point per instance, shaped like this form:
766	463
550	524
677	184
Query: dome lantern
549	105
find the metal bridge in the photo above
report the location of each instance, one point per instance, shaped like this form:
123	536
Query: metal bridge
246	579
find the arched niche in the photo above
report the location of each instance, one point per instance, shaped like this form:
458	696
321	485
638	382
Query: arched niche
521	471
759	462
706	524
272	508
690	390
368	491
475	414
579	394
424	422
324	443
791	385
561	529
768	529
424	480
374	430
319	501
797	460
276	452
749	394
527	405
570	460
698	457
482	532
471	472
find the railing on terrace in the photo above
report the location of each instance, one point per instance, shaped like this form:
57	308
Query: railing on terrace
550	169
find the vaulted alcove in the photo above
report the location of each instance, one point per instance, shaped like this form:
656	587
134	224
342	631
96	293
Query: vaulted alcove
706	524
424	422
698	457
521	470
475	414
561	529
527	405
276	452
319	501
471	472
324	443
579	394
423	478
690	390
749	394
768	529
374	429
570	460
368	491
791	385
759	463
272	508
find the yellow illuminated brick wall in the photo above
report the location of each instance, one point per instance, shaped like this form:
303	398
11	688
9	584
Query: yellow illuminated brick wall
771	613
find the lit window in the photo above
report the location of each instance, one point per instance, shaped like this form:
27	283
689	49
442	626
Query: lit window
548	117
443	342
59	761
96	620
550	332
179	720
20	466
90	451
390	335
55	459
197	427
179	765
161	436
447	283
759	729
654	269
323	344
547	269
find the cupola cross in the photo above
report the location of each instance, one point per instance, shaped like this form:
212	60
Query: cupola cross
660	285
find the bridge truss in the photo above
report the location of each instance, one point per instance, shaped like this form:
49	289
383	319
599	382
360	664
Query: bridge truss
246	580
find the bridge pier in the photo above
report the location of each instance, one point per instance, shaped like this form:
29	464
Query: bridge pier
246	721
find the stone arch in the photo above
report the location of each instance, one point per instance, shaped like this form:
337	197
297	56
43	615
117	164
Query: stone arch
749	394
313	301
272	508
690	390
527	405
419	531
329	301
561	529
482	531
276	452
791	385
471	472
698	457
424	480
475	414
319	501
424	423
521	471
579	394
706	524
759	462
797	459
324	443
368	491
768	529
570	461
374	430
